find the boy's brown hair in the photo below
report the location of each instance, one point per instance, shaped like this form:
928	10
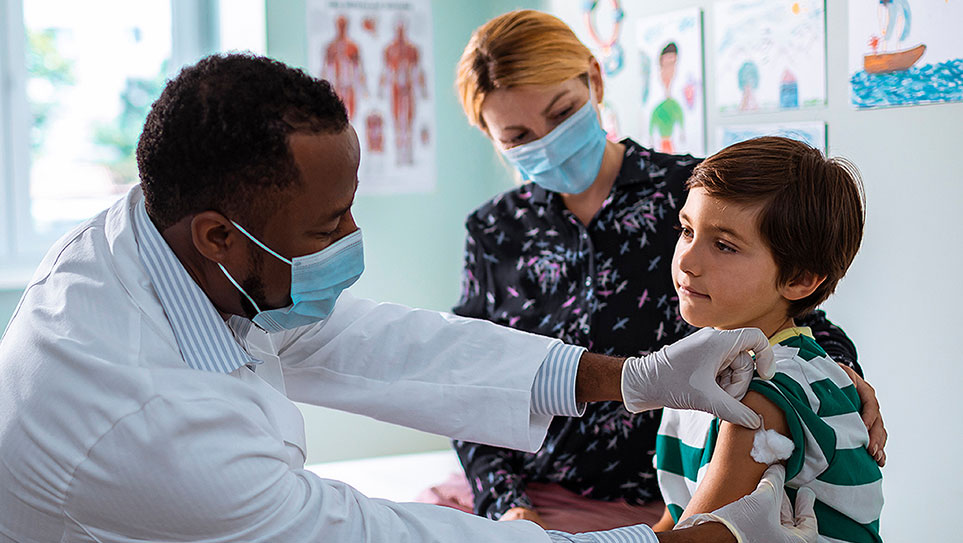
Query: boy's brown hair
813	207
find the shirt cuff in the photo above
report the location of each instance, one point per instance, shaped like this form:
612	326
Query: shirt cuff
640	533
553	392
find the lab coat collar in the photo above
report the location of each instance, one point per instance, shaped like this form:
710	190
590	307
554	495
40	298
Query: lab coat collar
205	341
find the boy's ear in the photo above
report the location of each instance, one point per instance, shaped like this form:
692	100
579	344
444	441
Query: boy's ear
801	286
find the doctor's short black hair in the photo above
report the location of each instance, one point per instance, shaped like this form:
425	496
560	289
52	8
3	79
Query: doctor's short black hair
217	137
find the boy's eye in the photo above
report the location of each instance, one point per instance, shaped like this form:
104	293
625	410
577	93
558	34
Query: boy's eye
564	113
725	247
684	231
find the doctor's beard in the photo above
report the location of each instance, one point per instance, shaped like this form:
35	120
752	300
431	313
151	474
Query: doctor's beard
254	286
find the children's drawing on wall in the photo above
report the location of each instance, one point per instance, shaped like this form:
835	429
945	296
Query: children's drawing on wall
377	57
905	52
770	54
673	113
607	44
812	133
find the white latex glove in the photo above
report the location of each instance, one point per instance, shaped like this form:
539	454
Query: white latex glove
709	371
766	515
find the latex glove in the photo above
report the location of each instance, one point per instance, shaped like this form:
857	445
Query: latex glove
709	371
766	515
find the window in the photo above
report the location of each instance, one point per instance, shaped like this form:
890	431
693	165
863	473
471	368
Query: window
78	81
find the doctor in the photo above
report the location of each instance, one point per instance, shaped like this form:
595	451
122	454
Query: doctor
146	378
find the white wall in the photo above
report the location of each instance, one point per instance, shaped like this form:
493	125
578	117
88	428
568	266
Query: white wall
901	299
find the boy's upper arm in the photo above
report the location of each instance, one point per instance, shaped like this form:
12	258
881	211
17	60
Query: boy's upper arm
732	473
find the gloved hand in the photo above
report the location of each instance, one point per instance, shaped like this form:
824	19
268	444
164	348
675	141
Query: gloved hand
709	370
766	514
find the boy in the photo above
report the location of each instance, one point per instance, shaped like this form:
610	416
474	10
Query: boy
767	231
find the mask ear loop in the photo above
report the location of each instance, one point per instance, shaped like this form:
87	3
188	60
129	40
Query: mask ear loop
261	245
238	287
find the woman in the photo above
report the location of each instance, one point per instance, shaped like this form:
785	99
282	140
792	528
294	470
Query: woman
581	252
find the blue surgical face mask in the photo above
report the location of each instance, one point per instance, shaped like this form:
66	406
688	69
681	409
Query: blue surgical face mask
568	158
317	280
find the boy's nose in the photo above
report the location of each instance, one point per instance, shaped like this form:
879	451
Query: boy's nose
688	257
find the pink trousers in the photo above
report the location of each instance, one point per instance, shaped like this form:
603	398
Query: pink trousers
560	509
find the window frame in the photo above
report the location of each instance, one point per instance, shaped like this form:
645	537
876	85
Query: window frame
195	33
14	117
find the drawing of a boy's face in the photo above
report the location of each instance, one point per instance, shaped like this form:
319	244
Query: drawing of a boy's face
667	61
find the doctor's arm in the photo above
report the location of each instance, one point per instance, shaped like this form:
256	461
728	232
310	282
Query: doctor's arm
205	470
455	376
764	515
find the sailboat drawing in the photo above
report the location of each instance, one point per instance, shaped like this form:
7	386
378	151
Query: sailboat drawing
892	14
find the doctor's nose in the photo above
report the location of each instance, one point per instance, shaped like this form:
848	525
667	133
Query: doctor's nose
347	224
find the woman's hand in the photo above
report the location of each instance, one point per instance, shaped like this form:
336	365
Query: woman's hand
523	513
872	418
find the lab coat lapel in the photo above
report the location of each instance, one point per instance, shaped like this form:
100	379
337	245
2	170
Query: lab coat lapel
269	378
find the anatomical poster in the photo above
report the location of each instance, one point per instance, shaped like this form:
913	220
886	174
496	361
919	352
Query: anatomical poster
378	57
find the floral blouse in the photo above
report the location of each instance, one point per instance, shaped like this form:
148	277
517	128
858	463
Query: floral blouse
532	265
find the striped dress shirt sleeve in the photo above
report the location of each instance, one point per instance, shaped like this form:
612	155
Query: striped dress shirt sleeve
553	392
640	533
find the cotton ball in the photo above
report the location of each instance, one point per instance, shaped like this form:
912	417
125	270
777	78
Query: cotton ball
769	447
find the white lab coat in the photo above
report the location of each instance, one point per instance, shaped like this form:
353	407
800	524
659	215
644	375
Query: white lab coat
107	435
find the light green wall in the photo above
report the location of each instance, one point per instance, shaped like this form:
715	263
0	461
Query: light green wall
413	242
8	302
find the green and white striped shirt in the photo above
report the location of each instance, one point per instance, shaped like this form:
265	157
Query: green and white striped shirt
830	457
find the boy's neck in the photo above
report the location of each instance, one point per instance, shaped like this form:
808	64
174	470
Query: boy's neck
770	326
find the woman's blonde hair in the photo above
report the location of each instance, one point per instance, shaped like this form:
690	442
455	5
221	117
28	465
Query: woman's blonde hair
523	47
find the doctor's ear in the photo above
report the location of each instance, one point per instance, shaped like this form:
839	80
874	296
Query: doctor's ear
213	235
801	286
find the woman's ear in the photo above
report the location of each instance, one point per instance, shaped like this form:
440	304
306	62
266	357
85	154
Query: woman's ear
801	286
595	80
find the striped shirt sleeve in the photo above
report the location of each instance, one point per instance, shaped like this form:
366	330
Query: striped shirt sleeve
553	392
640	533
